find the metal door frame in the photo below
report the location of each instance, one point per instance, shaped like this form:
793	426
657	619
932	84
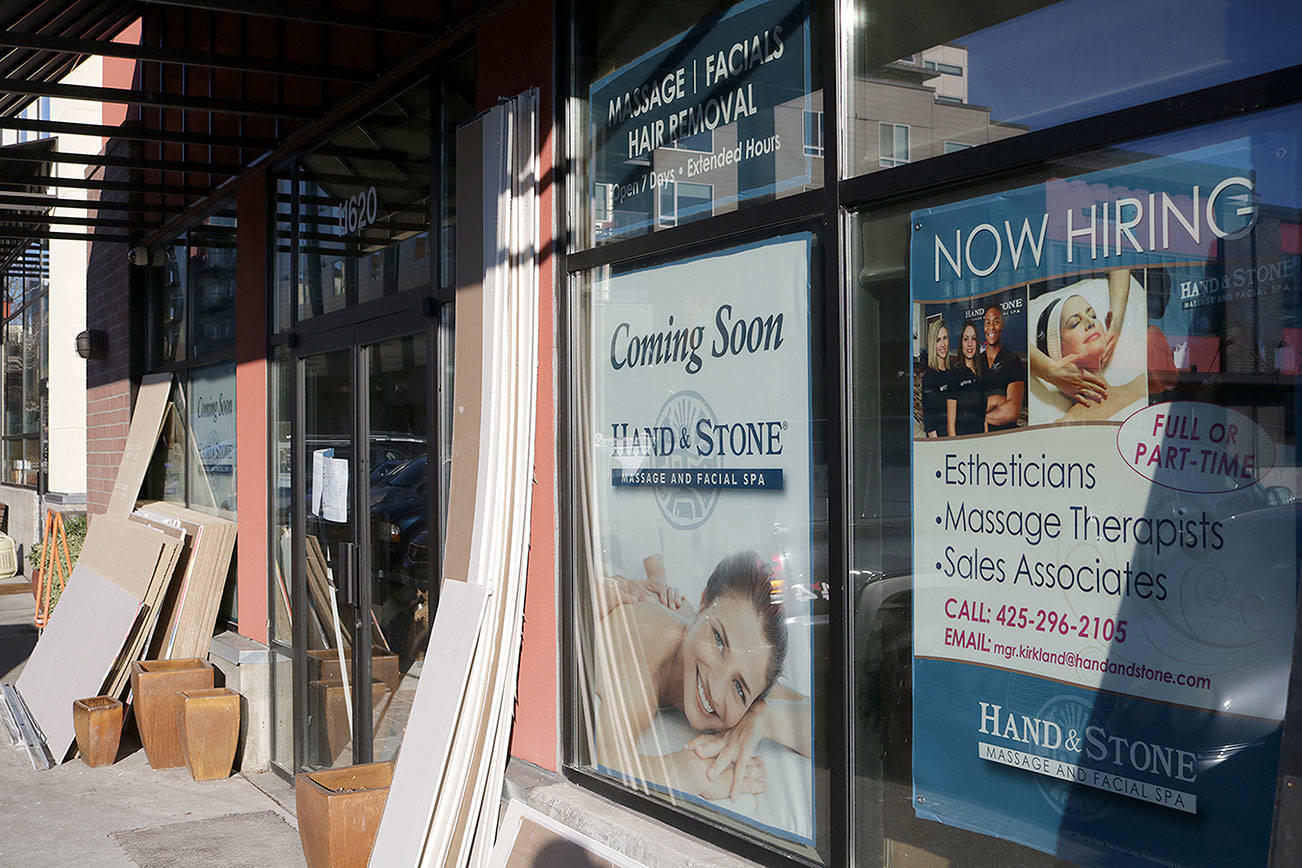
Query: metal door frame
358	338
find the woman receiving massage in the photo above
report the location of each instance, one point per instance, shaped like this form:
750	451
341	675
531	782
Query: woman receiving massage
718	665
1073	348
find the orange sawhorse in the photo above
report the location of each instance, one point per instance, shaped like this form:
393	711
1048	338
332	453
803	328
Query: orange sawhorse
54	542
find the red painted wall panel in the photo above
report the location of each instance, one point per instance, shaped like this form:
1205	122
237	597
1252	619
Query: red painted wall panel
515	52
251	405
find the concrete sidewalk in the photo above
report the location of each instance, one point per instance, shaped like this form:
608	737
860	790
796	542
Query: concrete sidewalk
128	814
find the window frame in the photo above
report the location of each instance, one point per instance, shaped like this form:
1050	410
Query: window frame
664	218
186	361
893	161
812	122
13	444
811	208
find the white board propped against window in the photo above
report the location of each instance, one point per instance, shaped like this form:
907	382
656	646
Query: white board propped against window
531	839
434	711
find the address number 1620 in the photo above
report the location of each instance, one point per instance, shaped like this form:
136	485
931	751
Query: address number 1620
358	211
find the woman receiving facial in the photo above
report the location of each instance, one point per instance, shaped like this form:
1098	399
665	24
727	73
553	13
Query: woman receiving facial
966	405
1070	330
936	380
1080	333
717	665
1081	380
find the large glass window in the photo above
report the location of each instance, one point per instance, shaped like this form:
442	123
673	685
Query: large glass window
710	95
1074	588
211	287
364	210
1060	449
192	335
280	609
26	367
974	73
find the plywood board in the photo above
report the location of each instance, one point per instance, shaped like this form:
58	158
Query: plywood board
531	839
418	773
468	370
188	620
75	654
142	437
139	639
122	551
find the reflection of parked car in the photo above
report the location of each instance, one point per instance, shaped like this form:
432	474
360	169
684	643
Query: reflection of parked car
384	471
399	508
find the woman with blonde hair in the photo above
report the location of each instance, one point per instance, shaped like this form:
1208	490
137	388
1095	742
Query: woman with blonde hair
936	380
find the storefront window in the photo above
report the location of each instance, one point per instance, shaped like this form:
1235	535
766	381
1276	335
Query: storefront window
166	479
456	107
26	367
281	419
280	608
1074	558
702	617
282	283
964	74
691	110
167	313
192	330
212	286
212	424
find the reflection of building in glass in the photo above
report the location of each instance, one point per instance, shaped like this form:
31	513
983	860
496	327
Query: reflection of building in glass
915	108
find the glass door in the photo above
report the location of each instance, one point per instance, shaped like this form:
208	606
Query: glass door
398	545
363	549
327	558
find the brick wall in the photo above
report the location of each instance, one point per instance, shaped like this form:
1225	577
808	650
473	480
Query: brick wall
108	379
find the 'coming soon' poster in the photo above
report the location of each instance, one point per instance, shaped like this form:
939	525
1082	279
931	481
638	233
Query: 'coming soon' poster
696	668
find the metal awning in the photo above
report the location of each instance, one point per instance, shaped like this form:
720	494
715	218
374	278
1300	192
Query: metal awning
217	87
25	216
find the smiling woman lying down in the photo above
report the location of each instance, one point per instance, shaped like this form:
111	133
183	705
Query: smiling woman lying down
717	666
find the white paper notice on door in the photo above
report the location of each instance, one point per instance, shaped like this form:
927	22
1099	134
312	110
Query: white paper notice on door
334	491
319	459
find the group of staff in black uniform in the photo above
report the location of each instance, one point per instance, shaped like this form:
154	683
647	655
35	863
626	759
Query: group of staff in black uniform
980	391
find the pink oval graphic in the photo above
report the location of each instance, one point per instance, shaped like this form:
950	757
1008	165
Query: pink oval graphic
1195	447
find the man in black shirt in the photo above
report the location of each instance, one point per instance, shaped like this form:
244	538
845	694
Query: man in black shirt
1005	376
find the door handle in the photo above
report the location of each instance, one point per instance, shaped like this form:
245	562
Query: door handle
346	556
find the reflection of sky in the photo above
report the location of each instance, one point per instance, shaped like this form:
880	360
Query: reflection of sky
1103	55
1263	146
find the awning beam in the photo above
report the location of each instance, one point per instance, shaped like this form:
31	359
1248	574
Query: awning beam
156	99
312	15
197	167
133	132
19	202
234	62
103	186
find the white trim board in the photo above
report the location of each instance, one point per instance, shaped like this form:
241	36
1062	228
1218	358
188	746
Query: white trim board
418	773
